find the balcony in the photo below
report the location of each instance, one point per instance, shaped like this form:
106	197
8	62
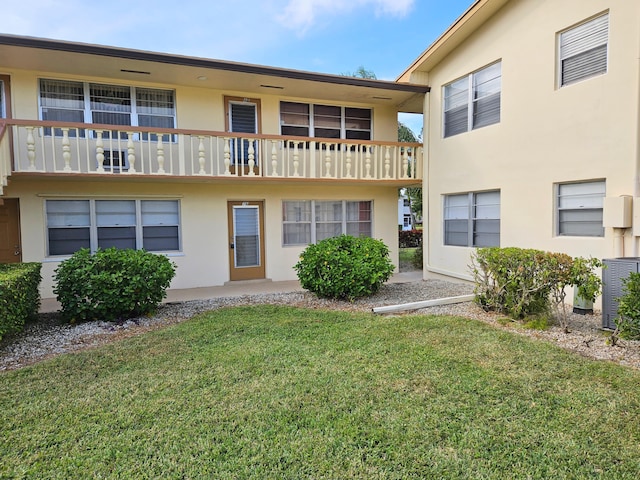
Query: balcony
29	147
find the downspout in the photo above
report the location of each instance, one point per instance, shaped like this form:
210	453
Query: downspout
426	152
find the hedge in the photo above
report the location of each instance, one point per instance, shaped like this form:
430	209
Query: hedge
19	295
409	238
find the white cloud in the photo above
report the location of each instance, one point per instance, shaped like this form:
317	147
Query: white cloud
300	15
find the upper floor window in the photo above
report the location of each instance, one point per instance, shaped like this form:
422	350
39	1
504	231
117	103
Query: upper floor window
472	219
580	209
325	121
309	221
473	101
583	50
78	102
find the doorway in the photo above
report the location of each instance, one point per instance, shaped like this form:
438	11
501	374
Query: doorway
242	116
246	240
10	245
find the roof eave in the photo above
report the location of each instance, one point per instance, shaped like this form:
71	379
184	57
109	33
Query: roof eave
181	60
474	17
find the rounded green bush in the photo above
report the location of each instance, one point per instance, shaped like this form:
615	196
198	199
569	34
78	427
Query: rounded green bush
344	267
111	284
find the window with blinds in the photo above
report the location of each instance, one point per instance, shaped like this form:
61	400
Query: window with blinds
243	118
473	101
80	102
309	221
583	50
150	224
325	121
472	219
580	209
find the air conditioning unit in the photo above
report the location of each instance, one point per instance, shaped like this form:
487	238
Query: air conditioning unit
616	270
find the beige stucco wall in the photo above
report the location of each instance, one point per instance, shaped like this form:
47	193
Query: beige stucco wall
196	108
204	259
546	135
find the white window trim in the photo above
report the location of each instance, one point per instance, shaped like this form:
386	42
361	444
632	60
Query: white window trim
471	218
313	223
557	208
470	100
93	224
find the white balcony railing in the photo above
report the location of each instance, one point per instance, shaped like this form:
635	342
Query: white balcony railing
54	147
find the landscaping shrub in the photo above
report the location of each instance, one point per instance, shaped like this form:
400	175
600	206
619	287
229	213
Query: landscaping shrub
409	238
344	267
111	284
522	282
511	280
628	321
19	295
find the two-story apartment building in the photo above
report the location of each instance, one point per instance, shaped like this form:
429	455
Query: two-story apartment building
230	169
532	130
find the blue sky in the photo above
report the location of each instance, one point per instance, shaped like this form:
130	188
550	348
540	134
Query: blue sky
328	36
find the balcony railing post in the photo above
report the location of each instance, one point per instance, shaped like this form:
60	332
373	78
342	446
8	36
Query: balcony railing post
160	154
201	156
99	152
66	149
348	161
367	162
131	153
227	156
387	162
405	163
327	160
31	149
296	159
251	155
274	159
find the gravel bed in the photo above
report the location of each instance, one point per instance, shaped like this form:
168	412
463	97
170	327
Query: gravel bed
48	336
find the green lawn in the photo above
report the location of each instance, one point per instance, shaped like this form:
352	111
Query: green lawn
277	392
406	258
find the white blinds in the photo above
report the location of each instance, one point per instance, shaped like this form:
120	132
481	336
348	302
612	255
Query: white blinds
580	209
583	50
